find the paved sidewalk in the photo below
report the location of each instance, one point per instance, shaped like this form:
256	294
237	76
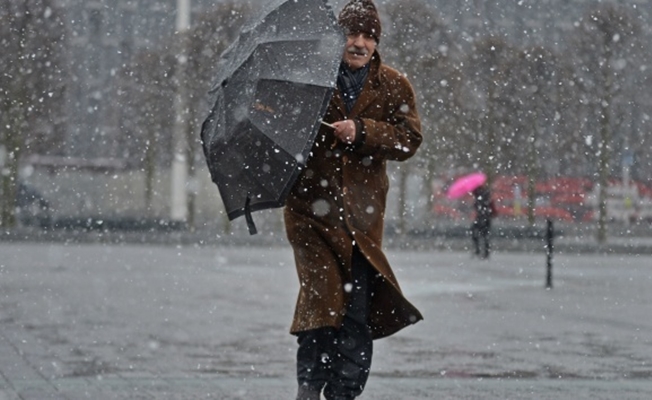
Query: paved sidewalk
188	322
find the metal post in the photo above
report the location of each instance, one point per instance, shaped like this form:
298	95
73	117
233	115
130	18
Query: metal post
3	155
549	249
179	170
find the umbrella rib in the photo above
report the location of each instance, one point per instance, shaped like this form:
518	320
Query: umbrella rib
315	123
280	148
274	63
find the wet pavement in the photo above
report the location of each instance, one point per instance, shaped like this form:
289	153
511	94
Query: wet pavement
190	322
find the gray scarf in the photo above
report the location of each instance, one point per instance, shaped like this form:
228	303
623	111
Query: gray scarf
351	83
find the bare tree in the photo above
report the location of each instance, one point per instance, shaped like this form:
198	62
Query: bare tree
538	101
487	114
145	91
31	87
604	40
417	42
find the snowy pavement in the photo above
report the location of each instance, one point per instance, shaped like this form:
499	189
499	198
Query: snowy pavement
188	322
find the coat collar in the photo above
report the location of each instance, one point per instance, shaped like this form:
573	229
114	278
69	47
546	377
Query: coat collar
369	92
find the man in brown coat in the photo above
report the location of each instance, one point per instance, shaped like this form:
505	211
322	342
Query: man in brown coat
334	218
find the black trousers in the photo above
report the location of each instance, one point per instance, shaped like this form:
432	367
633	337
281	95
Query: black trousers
480	230
337	361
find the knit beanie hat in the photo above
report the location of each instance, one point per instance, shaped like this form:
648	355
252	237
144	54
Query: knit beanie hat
360	16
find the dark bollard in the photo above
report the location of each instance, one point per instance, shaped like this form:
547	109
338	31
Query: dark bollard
549	247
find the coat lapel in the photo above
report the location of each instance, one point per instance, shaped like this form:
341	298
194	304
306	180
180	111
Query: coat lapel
370	91
339	106
367	97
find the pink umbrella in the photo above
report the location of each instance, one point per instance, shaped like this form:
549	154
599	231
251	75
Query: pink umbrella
466	184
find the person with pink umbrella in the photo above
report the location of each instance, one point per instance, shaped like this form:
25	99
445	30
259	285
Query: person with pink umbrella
481	226
475	184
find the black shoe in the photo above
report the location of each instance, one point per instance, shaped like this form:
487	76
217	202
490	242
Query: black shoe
307	393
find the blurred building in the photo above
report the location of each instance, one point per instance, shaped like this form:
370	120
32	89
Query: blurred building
105	34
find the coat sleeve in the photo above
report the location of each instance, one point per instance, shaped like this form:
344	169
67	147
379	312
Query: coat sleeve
397	135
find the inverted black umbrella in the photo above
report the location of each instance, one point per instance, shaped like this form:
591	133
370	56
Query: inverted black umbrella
274	84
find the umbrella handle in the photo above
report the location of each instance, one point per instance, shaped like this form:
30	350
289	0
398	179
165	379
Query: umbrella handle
249	218
327	124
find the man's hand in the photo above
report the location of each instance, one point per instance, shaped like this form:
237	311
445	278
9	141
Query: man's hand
345	131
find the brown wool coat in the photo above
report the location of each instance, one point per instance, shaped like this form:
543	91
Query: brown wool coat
339	201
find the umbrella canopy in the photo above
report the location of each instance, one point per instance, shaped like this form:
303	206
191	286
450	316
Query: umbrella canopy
466	184
274	85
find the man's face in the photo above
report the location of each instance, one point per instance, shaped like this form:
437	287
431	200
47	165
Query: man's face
359	49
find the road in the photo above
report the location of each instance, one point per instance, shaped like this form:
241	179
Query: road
196	322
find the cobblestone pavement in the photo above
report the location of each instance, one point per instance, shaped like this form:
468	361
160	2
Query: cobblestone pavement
195	322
